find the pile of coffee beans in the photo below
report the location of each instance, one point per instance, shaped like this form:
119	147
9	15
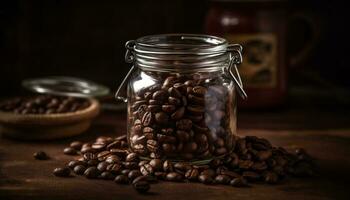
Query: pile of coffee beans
252	160
44	104
183	117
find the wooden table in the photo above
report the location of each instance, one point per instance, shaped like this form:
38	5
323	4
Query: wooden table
22	177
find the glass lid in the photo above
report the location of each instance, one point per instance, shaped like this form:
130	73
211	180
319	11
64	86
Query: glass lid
65	86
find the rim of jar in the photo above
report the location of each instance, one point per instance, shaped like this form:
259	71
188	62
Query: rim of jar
185	52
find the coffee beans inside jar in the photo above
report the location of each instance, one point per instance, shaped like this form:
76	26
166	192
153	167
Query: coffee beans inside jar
43	104
189	117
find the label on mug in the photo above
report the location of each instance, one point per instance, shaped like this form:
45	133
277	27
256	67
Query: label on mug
259	67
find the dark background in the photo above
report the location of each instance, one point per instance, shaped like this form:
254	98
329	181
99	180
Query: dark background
86	39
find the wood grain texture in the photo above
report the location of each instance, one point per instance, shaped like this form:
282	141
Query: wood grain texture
22	177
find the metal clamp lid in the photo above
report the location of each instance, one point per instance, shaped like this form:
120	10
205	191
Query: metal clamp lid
235	51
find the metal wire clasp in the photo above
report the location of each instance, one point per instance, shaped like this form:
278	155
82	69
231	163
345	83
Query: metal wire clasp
236	59
129	58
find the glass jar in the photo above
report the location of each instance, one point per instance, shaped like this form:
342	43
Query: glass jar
181	96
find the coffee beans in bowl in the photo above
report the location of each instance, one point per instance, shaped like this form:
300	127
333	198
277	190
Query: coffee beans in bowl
46	117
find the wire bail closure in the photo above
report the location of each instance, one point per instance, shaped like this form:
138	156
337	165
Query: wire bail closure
235	51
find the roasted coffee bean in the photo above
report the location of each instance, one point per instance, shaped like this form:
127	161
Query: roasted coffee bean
199	90
76	145
89	156
102	155
141	186
112	159
61	172
91	173
134	174
162	118
125	171
79	169
74	163
178	114
192	174
206	179
239	182
208	172
168	166
222	179
152	145
174	92
107	175
132	157
121	179
147	119
114	168
156	164
102	166
69	151
174	101
160	95
146	169
174	176
40	155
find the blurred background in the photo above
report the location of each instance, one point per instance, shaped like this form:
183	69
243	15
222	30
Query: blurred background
294	51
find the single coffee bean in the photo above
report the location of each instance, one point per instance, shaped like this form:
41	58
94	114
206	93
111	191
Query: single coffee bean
178	114
132	157
147	119
168	166
102	166
107	175
192	174
114	168
112	159
121	179
141	186
146	169
91	173
69	151
239	182
79	169
134	174
61	172
162	118
76	145
174	176
125	171
206	179
40	155
74	163
156	164
222	179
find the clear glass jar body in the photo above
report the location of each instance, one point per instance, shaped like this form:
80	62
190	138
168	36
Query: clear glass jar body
181	116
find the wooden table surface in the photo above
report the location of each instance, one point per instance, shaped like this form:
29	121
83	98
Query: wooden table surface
22	177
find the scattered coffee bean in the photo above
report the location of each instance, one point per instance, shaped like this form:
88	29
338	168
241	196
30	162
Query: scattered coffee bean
79	169
252	159
141	186
69	151
121	179
91	173
40	155
61	172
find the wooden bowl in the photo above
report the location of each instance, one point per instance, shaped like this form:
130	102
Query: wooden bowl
48	126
